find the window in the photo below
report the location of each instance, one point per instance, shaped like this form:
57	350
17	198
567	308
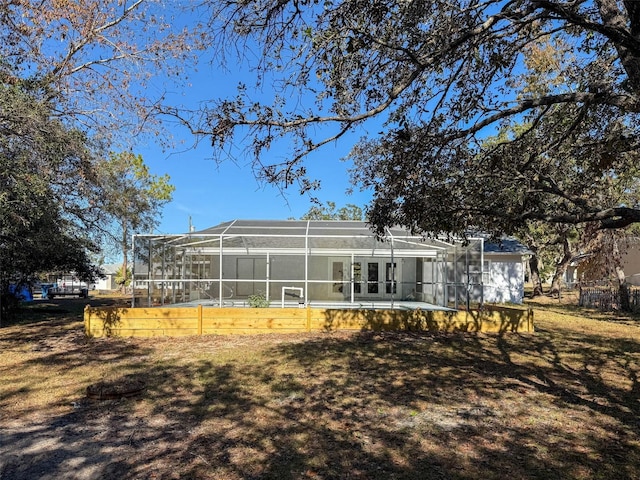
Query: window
486	272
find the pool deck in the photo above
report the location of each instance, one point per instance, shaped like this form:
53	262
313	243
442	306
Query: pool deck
367	305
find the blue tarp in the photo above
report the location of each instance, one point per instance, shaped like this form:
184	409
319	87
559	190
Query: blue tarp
22	292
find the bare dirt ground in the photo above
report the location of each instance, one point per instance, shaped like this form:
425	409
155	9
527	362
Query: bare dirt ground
68	435
78	440
87	443
562	403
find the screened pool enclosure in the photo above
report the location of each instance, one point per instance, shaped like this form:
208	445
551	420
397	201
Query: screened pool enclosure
296	263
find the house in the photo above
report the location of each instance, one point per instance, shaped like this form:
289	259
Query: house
581	270
631	261
323	263
107	283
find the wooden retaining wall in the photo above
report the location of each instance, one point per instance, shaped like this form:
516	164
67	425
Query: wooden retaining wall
148	322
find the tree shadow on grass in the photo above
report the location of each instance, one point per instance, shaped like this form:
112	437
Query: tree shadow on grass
389	405
461	391
574	310
363	406
84	442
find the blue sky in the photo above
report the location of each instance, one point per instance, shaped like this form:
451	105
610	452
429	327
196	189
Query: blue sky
210	193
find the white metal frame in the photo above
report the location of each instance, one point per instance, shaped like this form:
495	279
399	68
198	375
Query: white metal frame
399	247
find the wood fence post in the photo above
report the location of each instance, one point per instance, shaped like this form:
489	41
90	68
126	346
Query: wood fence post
87	320
200	319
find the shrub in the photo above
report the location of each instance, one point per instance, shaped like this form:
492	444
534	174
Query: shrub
258	300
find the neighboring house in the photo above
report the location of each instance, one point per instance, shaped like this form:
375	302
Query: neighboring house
630	264
109	281
631	261
314	262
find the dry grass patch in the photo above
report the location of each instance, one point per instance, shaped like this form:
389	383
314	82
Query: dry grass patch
560	403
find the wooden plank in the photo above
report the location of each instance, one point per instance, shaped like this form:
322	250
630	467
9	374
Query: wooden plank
249	331
267	323
139	332
87	320
150	323
143	312
240	318
254	312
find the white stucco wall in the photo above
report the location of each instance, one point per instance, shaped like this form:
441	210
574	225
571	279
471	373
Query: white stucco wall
504	281
107	283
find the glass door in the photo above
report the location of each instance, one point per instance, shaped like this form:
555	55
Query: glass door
374	278
391	278
339	286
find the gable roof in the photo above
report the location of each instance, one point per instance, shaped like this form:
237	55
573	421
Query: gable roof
508	245
110	268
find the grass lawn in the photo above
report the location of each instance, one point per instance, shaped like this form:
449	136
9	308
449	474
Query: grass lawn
562	403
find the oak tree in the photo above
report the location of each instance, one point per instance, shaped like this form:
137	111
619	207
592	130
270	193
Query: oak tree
435	78
328	211
48	192
77	78
105	64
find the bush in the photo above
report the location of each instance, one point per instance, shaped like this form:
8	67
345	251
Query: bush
258	301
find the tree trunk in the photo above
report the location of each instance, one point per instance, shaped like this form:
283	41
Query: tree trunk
614	16
623	288
556	281
625	300
125	266
534	270
561	268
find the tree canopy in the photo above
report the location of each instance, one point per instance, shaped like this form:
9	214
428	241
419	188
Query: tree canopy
436	78
105	64
328	211
48	191
132	197
76	79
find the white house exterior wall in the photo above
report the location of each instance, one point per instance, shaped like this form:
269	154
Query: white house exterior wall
504	279
107	283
